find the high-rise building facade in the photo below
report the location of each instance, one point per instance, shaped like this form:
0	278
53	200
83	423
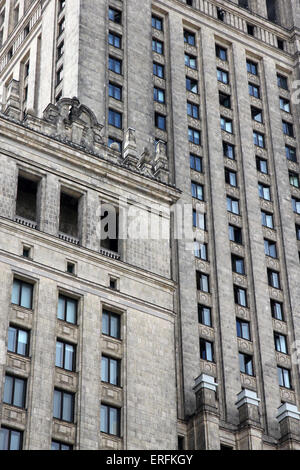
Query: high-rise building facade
177	124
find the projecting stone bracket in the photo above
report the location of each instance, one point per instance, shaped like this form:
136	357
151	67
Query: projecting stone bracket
288	417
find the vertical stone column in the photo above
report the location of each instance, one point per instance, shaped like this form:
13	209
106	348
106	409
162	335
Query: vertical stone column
33	78
291	269
265	364
41	383
140	108
229	370
185	272
260	7
89	378
92	221
8	187
50	205
289	420
46	70
250	429
206	420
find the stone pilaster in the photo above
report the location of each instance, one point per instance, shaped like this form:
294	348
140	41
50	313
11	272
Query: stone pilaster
289	420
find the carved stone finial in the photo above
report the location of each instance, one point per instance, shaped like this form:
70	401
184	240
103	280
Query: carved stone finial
161	166
13	106
130	158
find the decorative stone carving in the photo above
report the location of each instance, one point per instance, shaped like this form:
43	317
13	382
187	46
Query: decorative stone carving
13	108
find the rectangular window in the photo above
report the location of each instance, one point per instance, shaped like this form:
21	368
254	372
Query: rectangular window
228	150
193	110
243	329
199	220
296	205
189	37
221	52
294	179
297	231
200	250
206	350
258	139
202	282
280	343
196	163
194	136
246	364
10	439
157	23
111	324
226	125
110	371
224	100
284	377
252	67
63	406
273	279
233	205
270	248
204	315
267	219
197	191
238	264
55	445
110	420
282	82
256	114
14	391
190	61
22	294
115	65
262	165
65	356
159	95
114	39
254	90
230	177
223	76
240	296
158	70
115	91
235	234
290	153
288	129
277	310
192	85
115	15
67	309
157	46
115	118
18	341
285	105
264	191
160	121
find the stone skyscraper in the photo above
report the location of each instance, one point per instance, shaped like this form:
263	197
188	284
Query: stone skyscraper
134	112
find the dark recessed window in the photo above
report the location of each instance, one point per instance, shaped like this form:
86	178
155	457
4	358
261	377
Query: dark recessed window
226	124
294	179
252	67
240	296
110	420
192	85
222	76
115	91
228	150
233	205
110	370
67	309
282	82
285	105
196	163
115	65
256	114
202	281
194	136
254	90
284	377
264	191
158	70
14	391
280	343
235	234
200	250
160	121
243	329
157	23
10	439
238	264
273	279
288	128
206	350
190	61
258	139
204	315
277	310
250	29
267	219
221	52
114	40
22	294
157	46
225	100
197	191
189	37
115	118
63	406
230	177
18	341
296	205
159	95
270	248
111	324
115	15
65	356
55	445
193	110
262	165
199	220
246	364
